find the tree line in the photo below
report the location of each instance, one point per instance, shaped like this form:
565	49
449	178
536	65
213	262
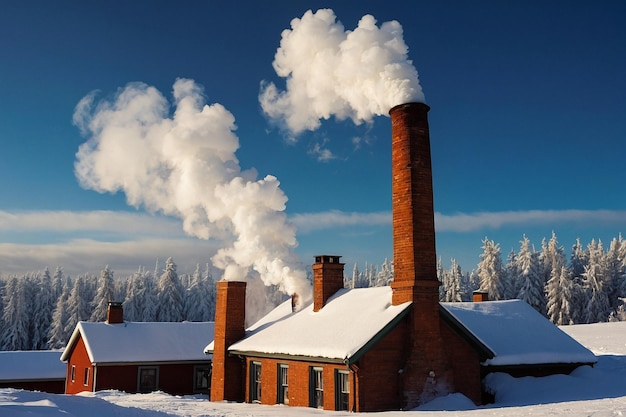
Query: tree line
40	310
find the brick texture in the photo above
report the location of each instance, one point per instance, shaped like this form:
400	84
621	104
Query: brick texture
327	279
230	315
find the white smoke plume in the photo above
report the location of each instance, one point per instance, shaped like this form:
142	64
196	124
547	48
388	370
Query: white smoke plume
183	164
331	71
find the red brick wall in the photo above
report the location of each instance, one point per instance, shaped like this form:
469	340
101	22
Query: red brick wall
378	381
80	359
327	279
299	386
465	363
230	315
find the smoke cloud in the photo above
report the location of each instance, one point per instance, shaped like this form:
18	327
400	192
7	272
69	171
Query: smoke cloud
182	162
330	71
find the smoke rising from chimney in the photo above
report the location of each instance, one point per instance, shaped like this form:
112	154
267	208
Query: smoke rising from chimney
331	71
183	164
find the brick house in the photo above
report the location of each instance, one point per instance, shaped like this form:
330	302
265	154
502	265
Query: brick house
32	370
138	356
389	348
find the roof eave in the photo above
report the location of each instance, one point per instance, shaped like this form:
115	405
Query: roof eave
284	356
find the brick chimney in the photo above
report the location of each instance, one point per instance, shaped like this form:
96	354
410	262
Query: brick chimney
426	371
480	296
327	279
230	315
115	313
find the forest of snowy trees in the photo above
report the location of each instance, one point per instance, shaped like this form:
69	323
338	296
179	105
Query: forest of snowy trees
40	310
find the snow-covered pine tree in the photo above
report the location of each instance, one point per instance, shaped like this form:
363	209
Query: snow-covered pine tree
198	298
150	298
44	303
561	297
512	276
490	272
78	305
170	307
597	306
104	295
532	289
453	284
615	272
58	336
14	334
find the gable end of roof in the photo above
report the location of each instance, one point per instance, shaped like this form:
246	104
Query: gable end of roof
481	349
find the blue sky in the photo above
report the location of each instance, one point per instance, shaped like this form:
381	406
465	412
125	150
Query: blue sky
527	123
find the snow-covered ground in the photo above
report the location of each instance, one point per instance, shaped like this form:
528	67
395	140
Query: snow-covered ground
597	392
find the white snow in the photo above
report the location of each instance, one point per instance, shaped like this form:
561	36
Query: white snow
29	365
143	341
335	332
518	334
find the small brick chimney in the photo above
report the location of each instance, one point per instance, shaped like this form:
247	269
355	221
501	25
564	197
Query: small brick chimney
230	315
426	371
480	296
115	313
327	279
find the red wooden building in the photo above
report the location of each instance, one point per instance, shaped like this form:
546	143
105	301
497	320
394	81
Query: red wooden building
33	370
138	356
384	348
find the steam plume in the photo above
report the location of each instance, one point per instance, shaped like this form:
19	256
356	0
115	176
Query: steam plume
333	72
184	165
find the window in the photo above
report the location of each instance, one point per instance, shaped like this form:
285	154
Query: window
316	388
73	374
147	379
86	377
342	390
202	379
255	382
283	384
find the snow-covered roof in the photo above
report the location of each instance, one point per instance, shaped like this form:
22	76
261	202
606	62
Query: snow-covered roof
340	331
142	341
29	365
517	334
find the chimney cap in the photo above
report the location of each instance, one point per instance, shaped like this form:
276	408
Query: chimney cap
413	103
327	259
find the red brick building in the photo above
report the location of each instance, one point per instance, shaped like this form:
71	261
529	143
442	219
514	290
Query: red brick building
138	356
383	348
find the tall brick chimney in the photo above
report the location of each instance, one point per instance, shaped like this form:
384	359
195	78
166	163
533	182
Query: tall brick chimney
327	279
115	313
426	372
230	315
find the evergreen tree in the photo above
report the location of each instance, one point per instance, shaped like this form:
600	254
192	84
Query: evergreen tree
170	307
77	305
150	299
453	282
198	299
15	316
58	336
561	297
490	270
44	303
531	277
104	295
597	306
512	276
